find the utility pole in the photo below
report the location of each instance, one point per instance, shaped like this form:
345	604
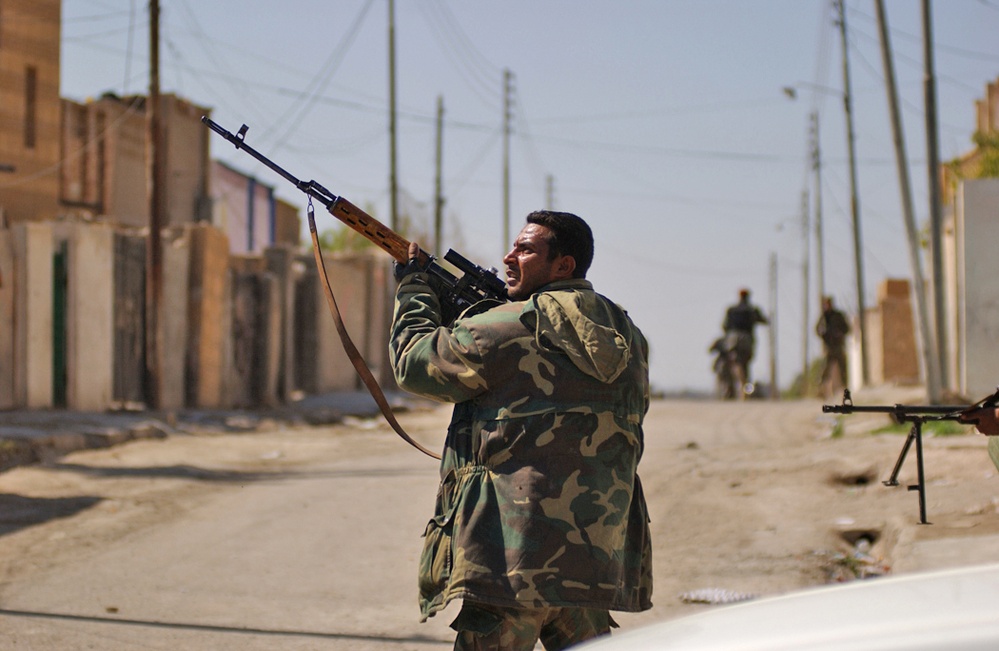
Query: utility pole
438	165
806	330
858	251
772	330
929	347
154	181
393	177
550	192
936	217
507	128
820	268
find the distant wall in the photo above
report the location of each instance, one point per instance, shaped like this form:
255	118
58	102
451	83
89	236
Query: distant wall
90	313
235	330
976	234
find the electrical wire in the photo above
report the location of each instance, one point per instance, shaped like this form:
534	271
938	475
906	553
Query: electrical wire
294	115
481	76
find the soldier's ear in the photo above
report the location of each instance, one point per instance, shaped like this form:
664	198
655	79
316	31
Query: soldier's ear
565	266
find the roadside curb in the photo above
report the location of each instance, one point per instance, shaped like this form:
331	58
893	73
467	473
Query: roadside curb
36	436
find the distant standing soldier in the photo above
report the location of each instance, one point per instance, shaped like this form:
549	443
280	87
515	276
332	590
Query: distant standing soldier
832	328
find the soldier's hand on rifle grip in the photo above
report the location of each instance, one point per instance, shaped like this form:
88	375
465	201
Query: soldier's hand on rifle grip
412	266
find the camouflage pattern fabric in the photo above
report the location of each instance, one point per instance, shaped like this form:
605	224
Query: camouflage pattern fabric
482	628
539	503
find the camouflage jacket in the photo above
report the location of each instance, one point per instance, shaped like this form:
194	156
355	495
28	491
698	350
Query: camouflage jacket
539	502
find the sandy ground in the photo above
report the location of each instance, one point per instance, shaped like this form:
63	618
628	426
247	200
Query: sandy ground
308	537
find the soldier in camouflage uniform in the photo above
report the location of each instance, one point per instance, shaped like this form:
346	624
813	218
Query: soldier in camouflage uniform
832	328
540	525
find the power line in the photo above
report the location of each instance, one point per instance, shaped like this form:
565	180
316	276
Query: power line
320	81
481	76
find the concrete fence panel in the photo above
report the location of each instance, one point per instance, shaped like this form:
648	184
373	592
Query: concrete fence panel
208	316
173	317
33	283
90	317
6	320
129	319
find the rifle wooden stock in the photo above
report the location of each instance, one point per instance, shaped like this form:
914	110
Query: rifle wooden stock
373	230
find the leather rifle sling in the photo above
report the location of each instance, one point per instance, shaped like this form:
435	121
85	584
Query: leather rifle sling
348	345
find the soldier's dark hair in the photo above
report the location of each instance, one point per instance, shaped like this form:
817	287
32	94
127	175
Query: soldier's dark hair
570	235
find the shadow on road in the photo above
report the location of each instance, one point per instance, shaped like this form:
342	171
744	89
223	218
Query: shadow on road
210	628
185	471
181	471
18	512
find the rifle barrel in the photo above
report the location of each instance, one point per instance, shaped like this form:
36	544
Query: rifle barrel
905	410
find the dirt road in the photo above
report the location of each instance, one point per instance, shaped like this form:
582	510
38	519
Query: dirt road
308	538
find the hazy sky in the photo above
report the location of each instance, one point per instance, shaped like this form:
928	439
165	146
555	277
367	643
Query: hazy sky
661	122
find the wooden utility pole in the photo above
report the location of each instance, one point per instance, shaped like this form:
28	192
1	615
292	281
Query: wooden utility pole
820	264
772	330
858	249
806	295
902	163
936	217
507	128
154	250
438	169
393	177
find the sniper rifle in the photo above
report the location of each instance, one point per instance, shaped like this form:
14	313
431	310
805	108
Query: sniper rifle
916	415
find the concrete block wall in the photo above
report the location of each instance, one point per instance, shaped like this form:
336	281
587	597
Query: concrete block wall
253	330
363	287
283	264
173	320
129	320
90	314
6	320
309	301
270	340
351	288
33	248
977	323
208	316
252	367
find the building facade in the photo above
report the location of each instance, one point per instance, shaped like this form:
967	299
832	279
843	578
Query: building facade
104	153
29	109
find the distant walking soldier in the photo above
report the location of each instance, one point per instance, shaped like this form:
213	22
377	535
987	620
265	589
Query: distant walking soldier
740	321
832	328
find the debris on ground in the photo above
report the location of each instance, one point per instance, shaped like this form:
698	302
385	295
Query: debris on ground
715	596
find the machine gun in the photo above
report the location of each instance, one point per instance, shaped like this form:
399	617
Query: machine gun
916	415
456	294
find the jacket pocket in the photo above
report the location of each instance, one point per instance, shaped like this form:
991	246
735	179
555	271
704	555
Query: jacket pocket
437	559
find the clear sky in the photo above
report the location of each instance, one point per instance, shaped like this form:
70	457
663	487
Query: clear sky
663	123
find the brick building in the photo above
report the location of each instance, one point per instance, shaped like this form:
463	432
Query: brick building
250	212
29	111
104	151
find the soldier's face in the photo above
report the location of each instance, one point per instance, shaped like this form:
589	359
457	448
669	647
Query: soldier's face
529	265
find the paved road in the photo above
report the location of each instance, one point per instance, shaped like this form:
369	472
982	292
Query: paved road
308	537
